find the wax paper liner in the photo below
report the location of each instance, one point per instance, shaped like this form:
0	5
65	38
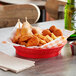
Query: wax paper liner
55	43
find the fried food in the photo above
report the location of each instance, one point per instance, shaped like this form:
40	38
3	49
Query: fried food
58	32
17	36
34	41
15	39
46	32
34	36
24	38
52	28
48	38
36	30
23	43
40	36
42	41
53	36
26	30
40	44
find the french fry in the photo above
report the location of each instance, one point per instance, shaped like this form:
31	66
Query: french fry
40	36
53	36
48	38
42	41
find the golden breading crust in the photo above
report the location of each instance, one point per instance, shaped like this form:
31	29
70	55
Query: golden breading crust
46	32
34	31
34	41
17	36
23	43
25	31
58	32
24	38
52	28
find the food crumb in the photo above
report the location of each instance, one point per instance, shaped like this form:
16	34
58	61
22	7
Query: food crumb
4	42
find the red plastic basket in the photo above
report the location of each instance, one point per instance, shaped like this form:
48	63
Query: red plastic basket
38	52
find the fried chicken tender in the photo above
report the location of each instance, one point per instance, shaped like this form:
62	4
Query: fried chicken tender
58	32
17	36
23	43
36	30
24	38
52	28
46	32
40	44
53	36
34	41
48	38
26	30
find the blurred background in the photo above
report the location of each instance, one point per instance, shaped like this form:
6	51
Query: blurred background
49	9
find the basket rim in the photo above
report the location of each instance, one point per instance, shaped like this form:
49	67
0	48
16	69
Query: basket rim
43	48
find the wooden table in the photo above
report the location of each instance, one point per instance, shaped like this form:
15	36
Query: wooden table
56	66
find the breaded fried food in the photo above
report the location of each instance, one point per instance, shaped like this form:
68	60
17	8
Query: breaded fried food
36	30
42	41
40	36
17	36
52	28
24	38
46	32
48	38
53	36
58	32
40	44
23	43
15	39
26	30
34	41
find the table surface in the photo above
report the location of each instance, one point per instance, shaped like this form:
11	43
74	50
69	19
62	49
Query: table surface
56	66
